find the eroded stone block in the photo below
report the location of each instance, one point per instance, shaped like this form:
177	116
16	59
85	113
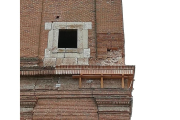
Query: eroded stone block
53	55
86	53
70	61
72	55
75	25
59	25
50	39
47	53
55	39
60	55
61	50
83	61
85	38
71	50
87	25
80	50
48	26
80	39
59	61
57	55
49	62
26	109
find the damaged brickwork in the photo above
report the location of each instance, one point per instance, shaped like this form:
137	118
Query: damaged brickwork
67	101
106	33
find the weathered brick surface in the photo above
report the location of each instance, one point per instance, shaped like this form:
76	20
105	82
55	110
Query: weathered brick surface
109	16
59	97
114	116
70	102
30	27
108	29
27	84
78	109
83	61
68	11
110	33
67	83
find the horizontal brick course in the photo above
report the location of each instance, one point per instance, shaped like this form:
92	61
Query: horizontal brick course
66	108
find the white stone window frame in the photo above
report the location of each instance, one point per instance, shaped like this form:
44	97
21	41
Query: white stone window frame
53	51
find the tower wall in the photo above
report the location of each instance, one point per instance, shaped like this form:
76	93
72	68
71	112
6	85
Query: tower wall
105	39
88	82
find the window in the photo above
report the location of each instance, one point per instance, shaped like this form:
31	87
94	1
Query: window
67	38
67	43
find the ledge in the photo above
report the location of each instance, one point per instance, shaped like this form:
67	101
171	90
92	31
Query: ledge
77	69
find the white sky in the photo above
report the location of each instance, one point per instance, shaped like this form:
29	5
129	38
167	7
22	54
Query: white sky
152	43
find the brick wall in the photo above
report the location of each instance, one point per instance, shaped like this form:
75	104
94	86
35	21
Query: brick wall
40	95
68	11
67	83
42	99
106	33
30	16
110	35
66	109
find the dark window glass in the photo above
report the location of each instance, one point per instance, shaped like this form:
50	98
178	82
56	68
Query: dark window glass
67	38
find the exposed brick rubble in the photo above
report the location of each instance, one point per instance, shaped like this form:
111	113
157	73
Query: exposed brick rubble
90	82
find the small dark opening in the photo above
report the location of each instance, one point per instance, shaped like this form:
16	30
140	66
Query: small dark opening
67	38
108	49
57	17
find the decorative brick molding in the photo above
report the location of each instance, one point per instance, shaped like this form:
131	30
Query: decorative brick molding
77	69
52	51
29	61
44	98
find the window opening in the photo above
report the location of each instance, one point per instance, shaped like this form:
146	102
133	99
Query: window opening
67	38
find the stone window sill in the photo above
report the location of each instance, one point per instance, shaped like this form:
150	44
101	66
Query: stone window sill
65	50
